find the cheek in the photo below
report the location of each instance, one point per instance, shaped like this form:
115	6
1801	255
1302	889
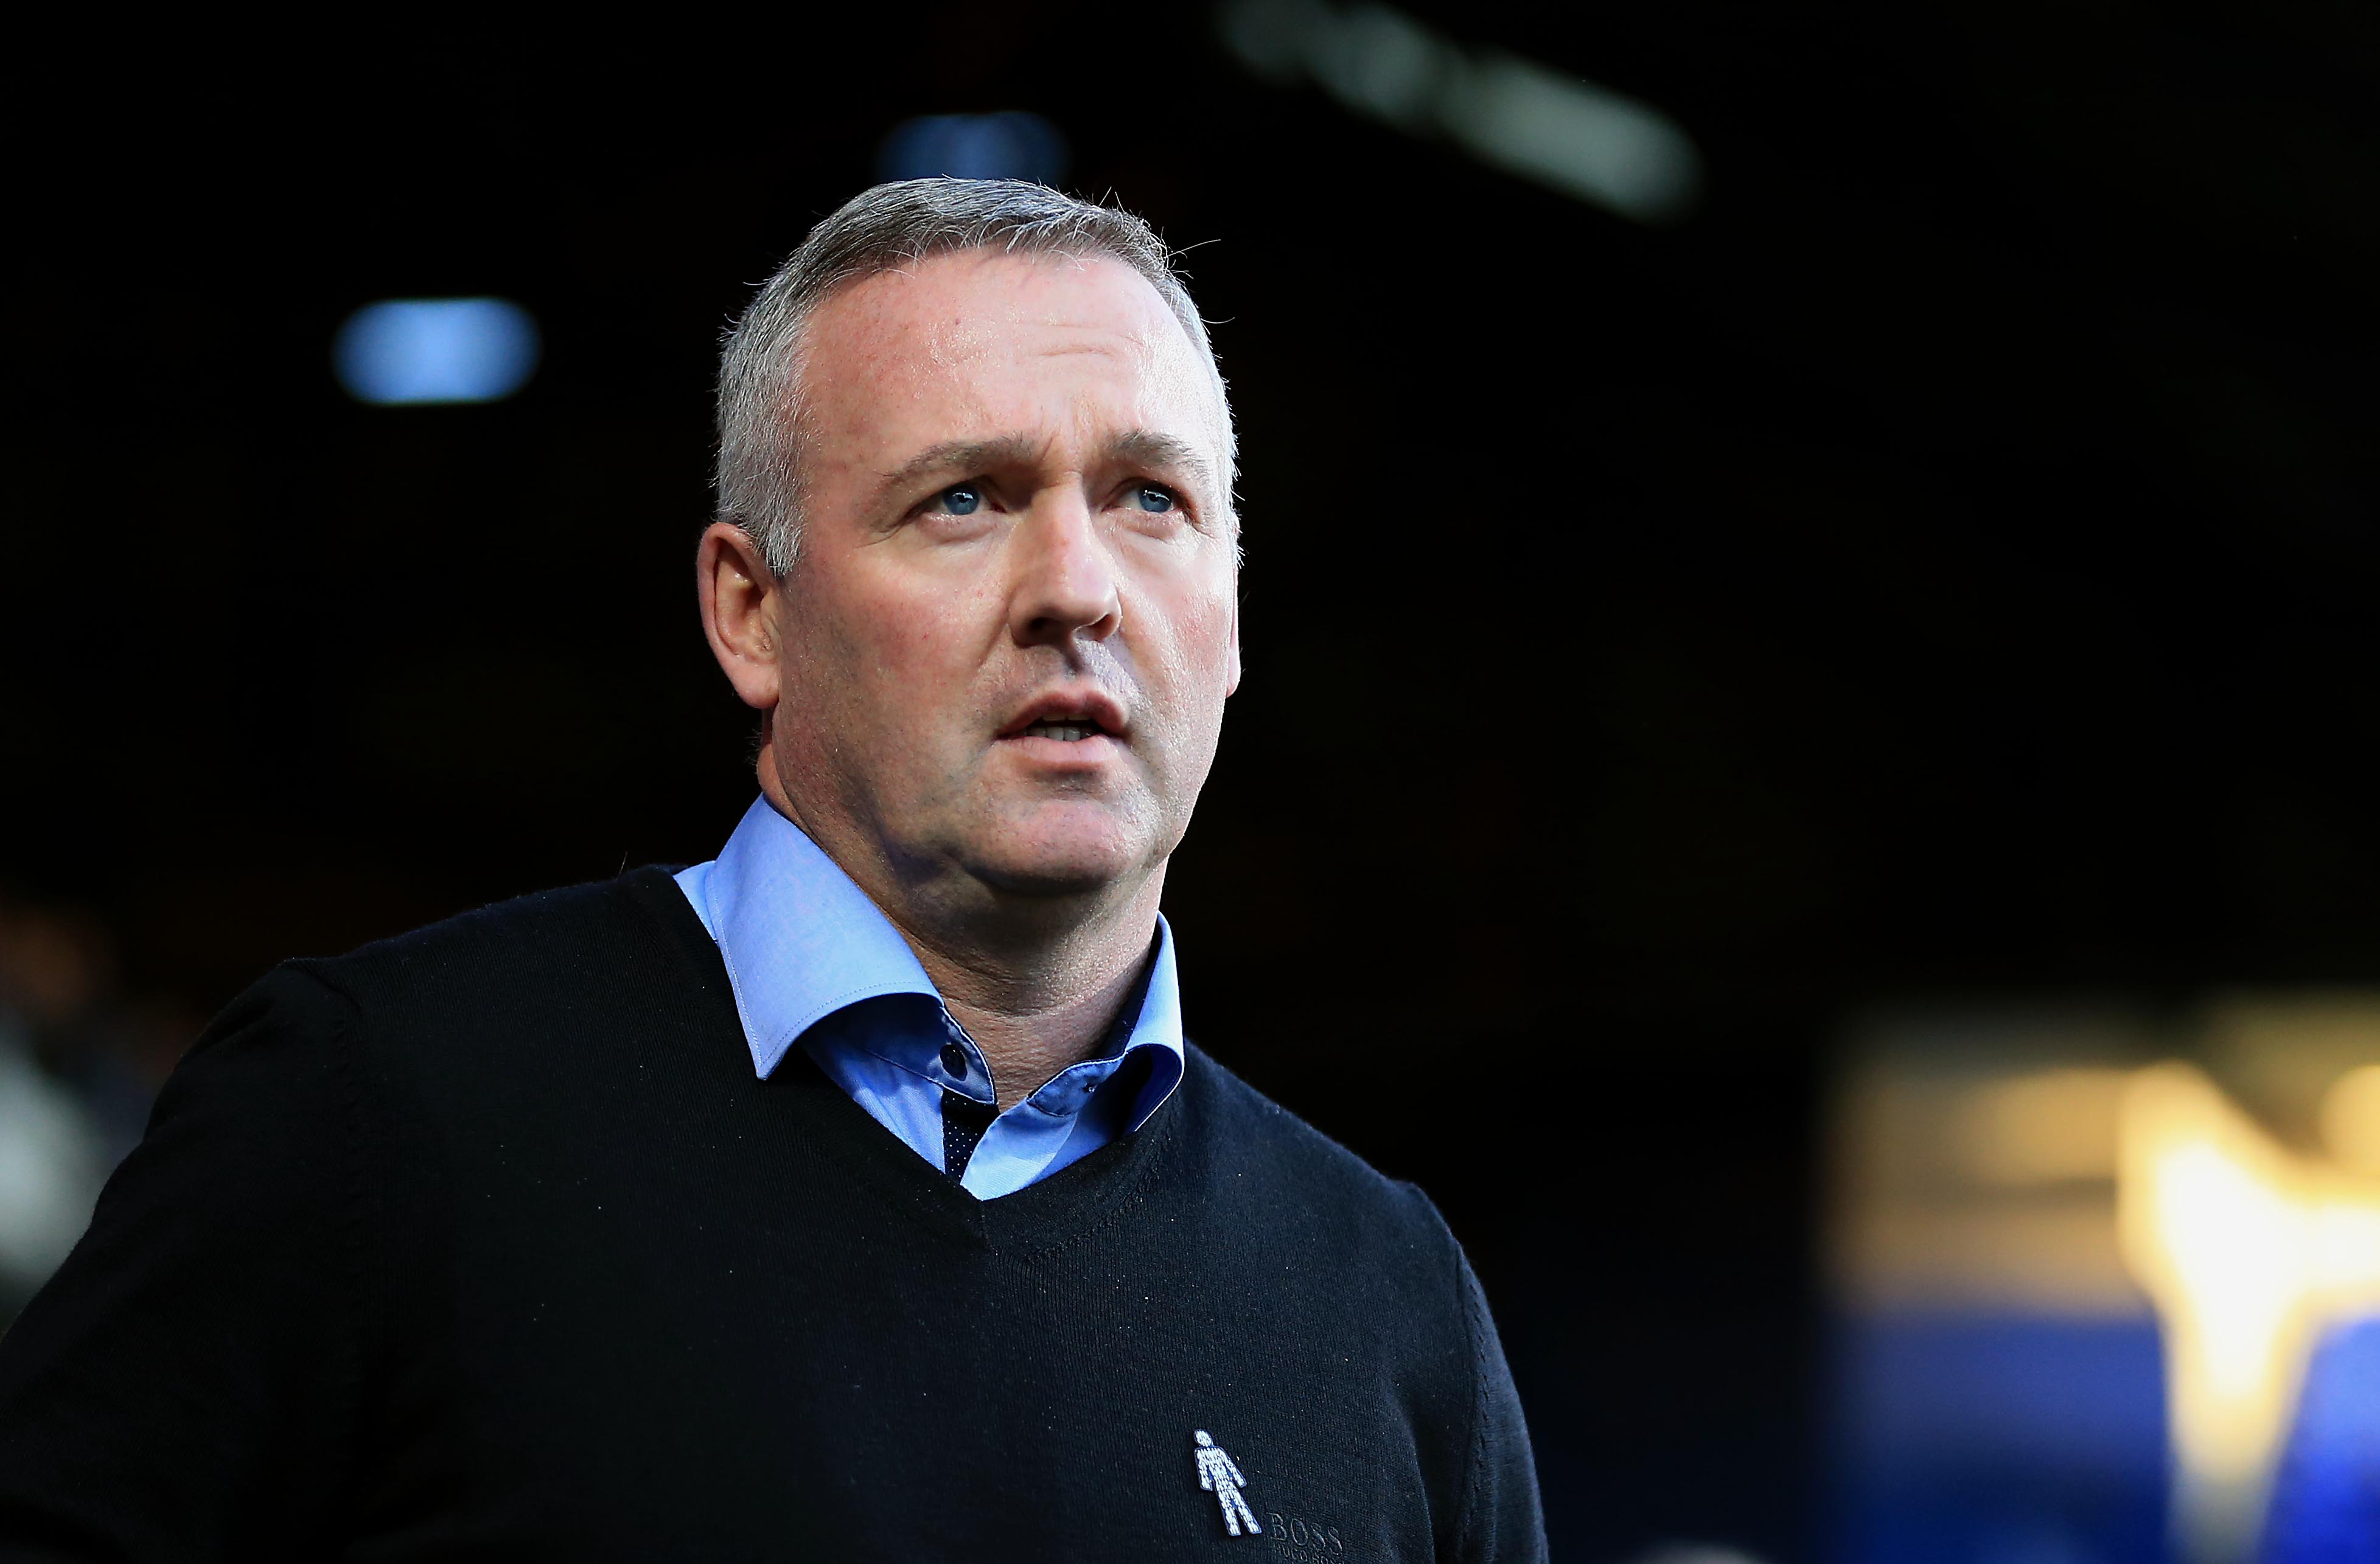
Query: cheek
1195	659
918	643
1210	618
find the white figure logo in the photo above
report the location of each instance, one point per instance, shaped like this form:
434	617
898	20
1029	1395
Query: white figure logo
1219	1477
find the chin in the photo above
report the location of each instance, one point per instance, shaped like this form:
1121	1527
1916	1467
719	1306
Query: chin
1061	857
1050	874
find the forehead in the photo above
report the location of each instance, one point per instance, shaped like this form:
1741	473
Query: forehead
982	343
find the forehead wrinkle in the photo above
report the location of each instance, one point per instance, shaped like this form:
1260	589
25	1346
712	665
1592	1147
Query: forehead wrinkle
901	331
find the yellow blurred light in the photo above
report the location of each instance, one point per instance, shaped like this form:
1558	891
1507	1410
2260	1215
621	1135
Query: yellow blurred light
2350	1119
2051	1126
1971	1189
2249	1252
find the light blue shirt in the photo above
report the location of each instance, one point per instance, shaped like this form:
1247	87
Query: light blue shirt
813	961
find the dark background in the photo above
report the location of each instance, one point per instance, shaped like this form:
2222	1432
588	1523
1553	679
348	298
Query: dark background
1943	565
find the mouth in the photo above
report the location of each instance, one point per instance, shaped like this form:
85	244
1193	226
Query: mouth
1065	730
1075	716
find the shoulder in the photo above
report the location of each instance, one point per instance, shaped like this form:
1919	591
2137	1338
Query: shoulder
526	935
539	994
550	954
1260	1146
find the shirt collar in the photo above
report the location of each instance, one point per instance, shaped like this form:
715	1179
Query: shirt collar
802	942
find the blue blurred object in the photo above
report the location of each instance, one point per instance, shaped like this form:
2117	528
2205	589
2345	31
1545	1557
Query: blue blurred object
1015	145
2326	1507
405	351
2000	1438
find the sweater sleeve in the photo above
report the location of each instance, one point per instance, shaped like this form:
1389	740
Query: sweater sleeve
1501	1522
185	1387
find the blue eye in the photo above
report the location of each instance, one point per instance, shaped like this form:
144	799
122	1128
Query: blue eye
963	499
1152	499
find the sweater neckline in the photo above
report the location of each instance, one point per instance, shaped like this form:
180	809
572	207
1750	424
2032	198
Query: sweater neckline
1066	1207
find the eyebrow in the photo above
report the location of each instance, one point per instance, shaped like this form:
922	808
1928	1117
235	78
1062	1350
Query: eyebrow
1139	447
1146	448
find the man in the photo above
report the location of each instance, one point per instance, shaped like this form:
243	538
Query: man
854	1195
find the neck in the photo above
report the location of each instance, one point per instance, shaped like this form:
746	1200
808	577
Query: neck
1027	1038
1037	986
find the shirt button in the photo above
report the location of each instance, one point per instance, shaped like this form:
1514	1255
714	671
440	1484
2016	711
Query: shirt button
954	1060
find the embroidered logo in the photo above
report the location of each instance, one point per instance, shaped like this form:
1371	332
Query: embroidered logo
1296	1540
1219	1477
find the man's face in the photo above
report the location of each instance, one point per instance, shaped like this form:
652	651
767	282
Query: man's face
1012	626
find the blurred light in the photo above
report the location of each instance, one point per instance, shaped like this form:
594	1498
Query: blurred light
2084	1296
1381	62
2325	1504
51	1167
2251	1254
435	350
2350	1119
1969	1177
1015	145
1575	137
2053	1126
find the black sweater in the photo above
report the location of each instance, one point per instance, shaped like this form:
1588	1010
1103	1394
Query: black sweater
486	1243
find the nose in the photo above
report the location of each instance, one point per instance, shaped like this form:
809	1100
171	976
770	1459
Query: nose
1064	583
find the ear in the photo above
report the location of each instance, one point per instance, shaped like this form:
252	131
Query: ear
739	610
1232	676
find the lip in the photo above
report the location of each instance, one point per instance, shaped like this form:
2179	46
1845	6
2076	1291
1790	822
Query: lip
1083	704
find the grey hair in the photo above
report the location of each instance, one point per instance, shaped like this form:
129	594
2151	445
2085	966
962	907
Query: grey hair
883	229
